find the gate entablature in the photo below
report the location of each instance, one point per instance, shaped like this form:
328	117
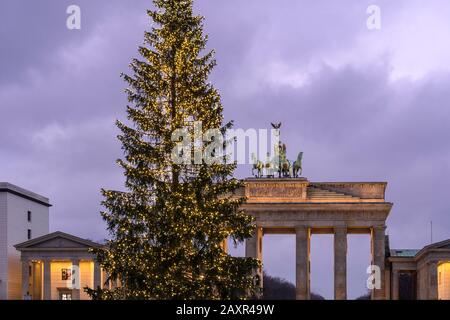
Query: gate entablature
284	190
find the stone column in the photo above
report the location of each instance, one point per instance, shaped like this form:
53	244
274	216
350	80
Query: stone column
302	262
38	280
340	263
106	280
97	275
433	280
395	282
378	260
47	280
387	286
224	245
25	277
253	249
76	279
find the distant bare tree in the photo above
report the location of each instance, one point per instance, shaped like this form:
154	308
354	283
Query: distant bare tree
280	289
366	296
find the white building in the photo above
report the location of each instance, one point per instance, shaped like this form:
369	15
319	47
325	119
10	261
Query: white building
23	215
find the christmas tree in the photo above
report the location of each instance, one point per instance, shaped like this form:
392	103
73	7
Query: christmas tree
167	230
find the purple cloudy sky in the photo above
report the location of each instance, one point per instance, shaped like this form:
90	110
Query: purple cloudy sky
363	105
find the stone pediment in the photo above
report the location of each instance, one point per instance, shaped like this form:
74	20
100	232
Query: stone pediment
440	245
443	246
57	240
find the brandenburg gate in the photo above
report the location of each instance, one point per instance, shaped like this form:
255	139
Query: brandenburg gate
298	206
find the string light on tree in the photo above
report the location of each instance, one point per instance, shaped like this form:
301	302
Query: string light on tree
168	227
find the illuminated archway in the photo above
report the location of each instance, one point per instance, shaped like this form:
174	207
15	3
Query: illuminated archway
444	281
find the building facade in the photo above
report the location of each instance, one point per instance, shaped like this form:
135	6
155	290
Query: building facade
23	216
58	266
420	274
302	208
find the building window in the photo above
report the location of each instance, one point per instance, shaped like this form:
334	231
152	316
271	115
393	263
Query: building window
29	216
29	234
65	295
66	274
440	278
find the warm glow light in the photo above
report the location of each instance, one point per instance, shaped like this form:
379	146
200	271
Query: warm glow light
444	281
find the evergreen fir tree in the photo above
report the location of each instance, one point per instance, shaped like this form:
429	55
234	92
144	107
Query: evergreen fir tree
167	228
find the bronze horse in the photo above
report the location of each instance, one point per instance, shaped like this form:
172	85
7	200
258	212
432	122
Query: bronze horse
257	165
297	166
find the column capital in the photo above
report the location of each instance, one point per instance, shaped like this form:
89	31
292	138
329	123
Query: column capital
260	229
340	229
379	228
302	228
